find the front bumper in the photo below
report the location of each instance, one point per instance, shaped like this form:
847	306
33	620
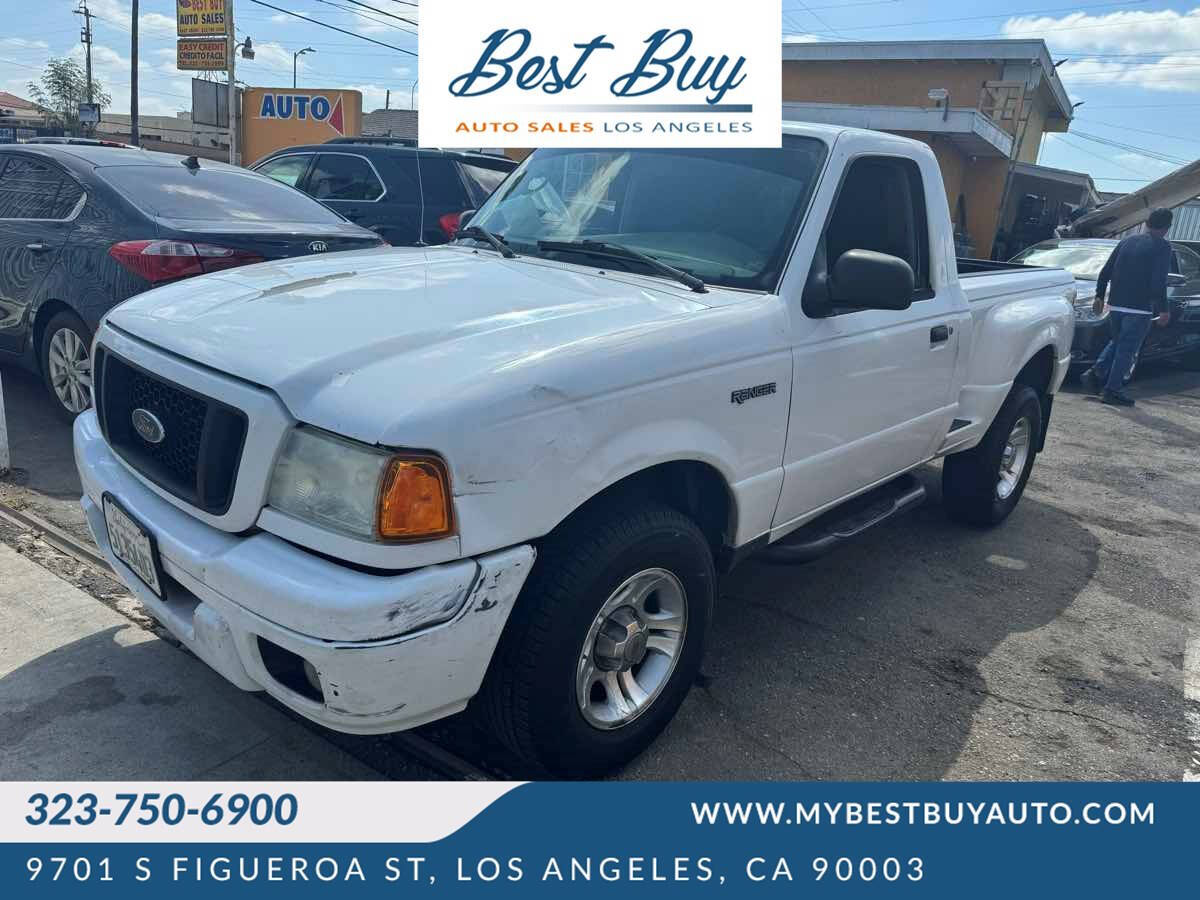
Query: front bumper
1091	337
367	682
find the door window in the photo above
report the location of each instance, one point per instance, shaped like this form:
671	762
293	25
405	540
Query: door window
32	189
880	207
1189	264
441	184
341	176
286	169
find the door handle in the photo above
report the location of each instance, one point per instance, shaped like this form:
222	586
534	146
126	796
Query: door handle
939	334
37	247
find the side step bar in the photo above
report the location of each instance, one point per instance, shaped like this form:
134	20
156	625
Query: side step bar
847	521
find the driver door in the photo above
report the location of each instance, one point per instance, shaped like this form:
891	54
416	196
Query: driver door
873	390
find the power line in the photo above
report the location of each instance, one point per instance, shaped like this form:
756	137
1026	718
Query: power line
1007	15
1174	137
1151	154
381	12
355	12
334	27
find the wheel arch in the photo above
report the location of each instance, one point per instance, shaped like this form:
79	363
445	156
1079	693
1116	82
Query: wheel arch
45	311
695	488
1038	374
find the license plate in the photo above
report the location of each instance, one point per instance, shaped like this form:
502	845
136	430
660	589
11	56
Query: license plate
133	545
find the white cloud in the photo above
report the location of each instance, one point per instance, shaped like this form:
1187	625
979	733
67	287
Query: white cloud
801	38
1155	50
11	44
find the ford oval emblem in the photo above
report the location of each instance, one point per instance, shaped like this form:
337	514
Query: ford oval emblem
318	246
148	426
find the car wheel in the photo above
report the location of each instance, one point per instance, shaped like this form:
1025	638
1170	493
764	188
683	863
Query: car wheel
605	640
66	361
981	486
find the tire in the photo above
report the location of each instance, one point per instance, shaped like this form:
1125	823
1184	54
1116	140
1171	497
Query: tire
67	336
974	490
1191	361
532	699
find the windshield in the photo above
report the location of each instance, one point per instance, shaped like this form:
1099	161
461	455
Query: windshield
219	194
728	217
1081	260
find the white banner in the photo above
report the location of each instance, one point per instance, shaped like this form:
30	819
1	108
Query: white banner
543	73
253	812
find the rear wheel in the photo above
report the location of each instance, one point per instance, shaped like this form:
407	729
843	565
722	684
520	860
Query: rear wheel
981	486
66	361
605	640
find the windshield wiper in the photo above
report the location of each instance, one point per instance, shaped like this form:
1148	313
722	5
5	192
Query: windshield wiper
619	251
479	233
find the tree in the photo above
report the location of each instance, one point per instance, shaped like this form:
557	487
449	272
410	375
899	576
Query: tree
62	88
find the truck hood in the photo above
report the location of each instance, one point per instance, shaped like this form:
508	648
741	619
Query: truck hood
339	336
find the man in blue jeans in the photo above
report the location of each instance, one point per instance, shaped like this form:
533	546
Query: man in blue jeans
1137	274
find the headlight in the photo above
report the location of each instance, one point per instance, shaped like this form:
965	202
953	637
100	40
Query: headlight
1085	313
361	490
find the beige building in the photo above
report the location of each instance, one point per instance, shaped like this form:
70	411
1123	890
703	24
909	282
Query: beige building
982	106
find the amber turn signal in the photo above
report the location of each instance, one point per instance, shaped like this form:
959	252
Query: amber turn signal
414	503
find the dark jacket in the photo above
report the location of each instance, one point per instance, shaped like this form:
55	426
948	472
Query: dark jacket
1137	271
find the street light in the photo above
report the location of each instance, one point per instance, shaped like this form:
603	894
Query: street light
296	56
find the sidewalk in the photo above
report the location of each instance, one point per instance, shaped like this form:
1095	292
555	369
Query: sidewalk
86	694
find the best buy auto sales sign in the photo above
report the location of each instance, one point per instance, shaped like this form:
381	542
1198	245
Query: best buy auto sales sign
624	73
200	18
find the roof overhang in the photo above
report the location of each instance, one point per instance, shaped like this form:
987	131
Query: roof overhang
1131	210
1080	180
1004	50
971	131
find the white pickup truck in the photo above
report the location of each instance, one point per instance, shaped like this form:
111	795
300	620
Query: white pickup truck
508	471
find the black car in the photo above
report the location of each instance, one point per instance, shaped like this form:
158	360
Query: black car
412	197
1084	258
84	227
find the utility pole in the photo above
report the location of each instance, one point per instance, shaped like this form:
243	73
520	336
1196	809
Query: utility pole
134	137
231	44
85	37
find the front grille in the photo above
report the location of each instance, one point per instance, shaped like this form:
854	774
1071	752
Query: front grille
200	449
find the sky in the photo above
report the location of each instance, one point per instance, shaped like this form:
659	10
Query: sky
1134	65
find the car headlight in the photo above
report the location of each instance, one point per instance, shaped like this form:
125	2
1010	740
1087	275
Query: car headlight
361	490
1085	313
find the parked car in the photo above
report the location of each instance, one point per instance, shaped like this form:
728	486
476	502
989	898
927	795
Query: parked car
411	197
84	227
77	141
513	466
1084	258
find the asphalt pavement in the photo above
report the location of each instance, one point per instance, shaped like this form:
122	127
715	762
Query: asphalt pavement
1058	646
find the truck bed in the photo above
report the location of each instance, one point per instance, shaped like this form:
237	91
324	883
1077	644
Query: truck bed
984	279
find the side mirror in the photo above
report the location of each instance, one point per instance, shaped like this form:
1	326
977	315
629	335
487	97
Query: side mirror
465	217
1174	279
869	280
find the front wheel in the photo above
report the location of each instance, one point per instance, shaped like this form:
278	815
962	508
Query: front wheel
981	486
605	640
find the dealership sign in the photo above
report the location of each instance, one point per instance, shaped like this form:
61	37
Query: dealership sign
668	74
318	108
201	54
196	18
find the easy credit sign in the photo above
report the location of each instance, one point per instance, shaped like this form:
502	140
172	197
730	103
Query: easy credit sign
197	18
201	54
